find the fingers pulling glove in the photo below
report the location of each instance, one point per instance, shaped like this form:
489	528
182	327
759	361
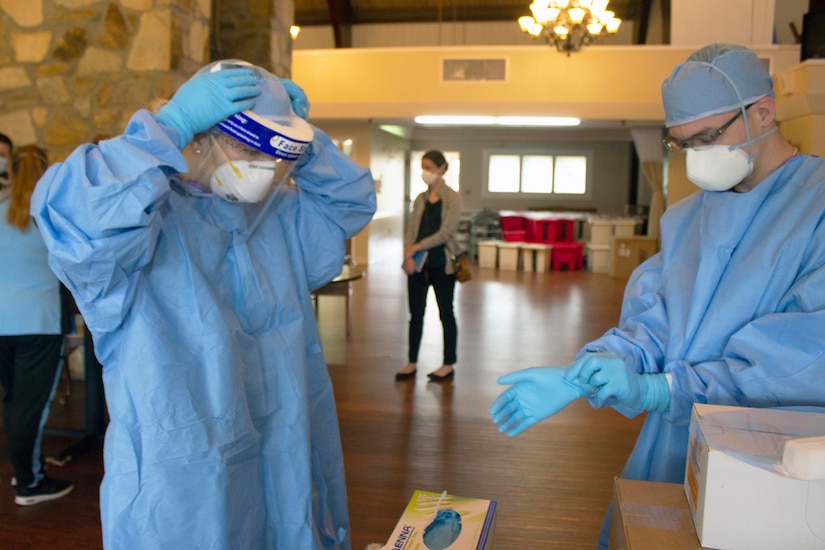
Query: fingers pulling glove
208	98
297	98
536	394
612	378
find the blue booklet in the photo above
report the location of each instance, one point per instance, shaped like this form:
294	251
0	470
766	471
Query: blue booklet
419	258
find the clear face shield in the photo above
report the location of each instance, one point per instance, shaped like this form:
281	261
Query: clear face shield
246	155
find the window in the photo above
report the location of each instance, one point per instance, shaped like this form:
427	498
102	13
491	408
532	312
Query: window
417	185
537	174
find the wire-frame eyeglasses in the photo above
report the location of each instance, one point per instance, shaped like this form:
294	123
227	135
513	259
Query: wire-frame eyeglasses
703	140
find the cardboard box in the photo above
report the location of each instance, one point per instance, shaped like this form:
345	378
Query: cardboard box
629	252
477	517
737	497
648	515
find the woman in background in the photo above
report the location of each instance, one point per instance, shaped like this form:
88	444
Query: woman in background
31	331
432	228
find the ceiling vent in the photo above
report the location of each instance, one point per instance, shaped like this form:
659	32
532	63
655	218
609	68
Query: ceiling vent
474	70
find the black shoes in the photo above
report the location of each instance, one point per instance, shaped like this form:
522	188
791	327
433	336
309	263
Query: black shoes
432	376
405	375
47	489
441	378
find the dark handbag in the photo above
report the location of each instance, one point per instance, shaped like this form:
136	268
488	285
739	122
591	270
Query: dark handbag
461	262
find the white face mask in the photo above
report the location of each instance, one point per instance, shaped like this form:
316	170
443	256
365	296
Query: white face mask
429	177
243	181
718	167
721	167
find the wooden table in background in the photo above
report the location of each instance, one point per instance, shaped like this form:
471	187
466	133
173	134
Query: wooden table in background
341	286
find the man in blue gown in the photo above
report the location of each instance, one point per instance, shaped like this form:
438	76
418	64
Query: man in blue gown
732	310
192	259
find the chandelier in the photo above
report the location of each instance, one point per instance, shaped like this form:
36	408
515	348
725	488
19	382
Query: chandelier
569	24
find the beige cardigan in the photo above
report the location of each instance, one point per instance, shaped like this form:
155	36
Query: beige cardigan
446	234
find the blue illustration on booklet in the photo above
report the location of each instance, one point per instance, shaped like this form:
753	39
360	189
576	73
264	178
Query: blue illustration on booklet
419	258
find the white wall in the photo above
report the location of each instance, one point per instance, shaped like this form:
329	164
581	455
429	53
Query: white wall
700	22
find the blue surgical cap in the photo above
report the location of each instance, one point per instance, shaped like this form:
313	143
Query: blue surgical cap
719	78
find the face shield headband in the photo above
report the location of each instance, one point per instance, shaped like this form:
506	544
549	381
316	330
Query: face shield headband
268	136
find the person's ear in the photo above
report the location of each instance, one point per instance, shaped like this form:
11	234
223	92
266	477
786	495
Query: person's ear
765	112
199	144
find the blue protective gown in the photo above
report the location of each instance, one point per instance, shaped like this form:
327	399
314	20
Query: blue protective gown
223	431
733	308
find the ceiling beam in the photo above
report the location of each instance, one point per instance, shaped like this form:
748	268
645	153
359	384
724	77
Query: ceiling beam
341	17
644	22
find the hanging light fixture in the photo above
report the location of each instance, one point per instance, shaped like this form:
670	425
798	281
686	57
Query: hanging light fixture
569	24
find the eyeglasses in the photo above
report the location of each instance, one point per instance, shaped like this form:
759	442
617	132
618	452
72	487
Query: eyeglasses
701	141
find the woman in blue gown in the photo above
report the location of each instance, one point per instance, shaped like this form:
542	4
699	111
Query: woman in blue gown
192	260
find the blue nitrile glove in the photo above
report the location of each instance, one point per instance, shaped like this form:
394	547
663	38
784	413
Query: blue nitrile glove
208	98
443	531
297	98
537	393
613	378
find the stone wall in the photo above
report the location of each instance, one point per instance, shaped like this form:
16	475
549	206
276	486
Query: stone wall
75	70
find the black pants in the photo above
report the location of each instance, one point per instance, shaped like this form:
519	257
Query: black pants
29	372
444	286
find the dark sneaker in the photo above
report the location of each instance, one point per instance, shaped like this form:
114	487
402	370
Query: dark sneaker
47	489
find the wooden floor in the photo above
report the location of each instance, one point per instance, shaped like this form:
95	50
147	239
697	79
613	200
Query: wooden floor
552	483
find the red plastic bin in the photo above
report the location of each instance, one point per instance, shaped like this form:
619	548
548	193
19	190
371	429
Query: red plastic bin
530	229
545	231
567	256
514	236
511	223
565	231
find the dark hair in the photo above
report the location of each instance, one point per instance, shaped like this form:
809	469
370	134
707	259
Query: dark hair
7	140
437	158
